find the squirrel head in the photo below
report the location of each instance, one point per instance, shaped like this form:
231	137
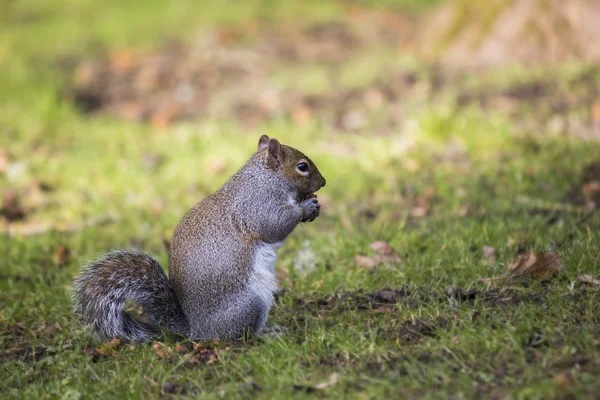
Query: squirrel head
294	166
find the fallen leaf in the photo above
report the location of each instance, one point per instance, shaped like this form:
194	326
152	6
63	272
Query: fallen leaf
419	211
107	349
564	379
533	266
489	253
333	379
365	261
11	208
385	252
162	351
112	344
95	354
591	194
61	255
589	279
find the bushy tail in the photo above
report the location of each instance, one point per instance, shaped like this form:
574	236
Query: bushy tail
127	295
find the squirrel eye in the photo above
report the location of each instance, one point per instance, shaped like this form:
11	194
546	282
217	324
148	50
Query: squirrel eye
302	166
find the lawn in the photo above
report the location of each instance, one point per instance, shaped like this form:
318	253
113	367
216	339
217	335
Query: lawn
436	180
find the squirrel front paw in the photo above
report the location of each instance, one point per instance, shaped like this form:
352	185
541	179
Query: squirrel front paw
310	209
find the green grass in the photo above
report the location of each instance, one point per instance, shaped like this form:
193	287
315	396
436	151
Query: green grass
485	180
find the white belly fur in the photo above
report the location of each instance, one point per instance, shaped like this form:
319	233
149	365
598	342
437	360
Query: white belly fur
262	280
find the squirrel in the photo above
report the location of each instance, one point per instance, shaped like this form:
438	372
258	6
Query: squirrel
221	258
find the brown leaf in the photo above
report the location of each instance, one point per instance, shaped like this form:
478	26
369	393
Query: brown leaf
11	209
107	349
112	344
386	253
587	278
419	211
489	253
365	261
533	266
61	255
564	379
333	379
161	350
591	194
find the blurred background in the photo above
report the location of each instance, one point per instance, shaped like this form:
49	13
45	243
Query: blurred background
115	105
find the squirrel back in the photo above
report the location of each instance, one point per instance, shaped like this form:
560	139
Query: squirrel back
221	258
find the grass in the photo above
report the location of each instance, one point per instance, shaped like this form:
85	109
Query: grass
483	179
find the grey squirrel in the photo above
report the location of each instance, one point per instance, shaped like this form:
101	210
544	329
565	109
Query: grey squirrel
221	259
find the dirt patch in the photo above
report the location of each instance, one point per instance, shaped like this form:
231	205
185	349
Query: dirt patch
494	297
386	300
20	343
415	330
30	354
379	300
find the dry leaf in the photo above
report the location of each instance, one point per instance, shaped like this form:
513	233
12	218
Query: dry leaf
365	261
533	266
333	379
489	253
112	344
161	350
11	208
591	194
61	255
589	279
419	211
385	252
564	379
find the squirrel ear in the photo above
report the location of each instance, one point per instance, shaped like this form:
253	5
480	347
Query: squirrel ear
263	142
274	156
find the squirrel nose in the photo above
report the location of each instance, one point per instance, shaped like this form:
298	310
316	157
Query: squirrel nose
324	182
